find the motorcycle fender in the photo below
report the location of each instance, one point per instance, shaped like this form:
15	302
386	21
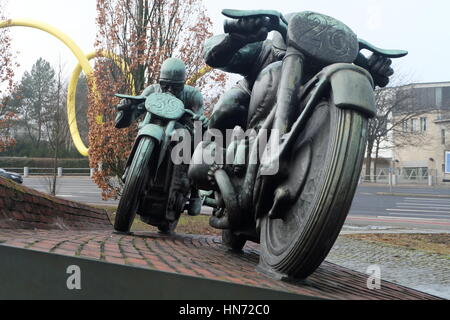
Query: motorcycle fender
352	88
152	130
149	130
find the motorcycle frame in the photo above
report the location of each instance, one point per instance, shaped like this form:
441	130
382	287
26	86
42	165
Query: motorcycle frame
161	131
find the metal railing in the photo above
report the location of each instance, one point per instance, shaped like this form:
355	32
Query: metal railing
404	176
76	172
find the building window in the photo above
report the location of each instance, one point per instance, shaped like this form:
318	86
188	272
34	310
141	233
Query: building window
447	163
405	126
443	136
423	124
414	125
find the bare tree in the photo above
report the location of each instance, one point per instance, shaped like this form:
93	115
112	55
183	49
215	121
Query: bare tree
396	107
7	65
143	33
56	125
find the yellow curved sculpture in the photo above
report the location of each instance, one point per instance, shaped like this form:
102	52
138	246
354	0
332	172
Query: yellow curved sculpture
83	65
192	80
54	32
71	96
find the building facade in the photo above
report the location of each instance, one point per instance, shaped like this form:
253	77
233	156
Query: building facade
421	145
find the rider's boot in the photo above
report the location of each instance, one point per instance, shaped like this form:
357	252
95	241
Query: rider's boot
195	203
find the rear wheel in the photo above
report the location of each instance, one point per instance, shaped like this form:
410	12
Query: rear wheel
324	168
135	183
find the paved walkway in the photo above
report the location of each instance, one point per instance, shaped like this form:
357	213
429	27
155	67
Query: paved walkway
411	268
204	256
201	256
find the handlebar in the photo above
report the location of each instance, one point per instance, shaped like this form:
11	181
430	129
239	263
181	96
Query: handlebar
275	20
231	26
138	101
193	114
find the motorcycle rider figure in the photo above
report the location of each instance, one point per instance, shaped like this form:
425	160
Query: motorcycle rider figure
247	54
172	80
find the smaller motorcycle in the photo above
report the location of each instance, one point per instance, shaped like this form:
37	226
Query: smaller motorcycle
155	188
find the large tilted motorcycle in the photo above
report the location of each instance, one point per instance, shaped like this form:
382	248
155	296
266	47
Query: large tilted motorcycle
155	188
322	117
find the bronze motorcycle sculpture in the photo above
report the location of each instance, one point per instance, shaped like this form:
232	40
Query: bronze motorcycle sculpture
318	102
155	188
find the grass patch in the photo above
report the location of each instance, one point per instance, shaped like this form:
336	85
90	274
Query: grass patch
432	243
188	225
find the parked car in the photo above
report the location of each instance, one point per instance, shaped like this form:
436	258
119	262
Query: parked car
11	175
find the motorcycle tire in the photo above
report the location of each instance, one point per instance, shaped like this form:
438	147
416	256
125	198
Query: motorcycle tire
135	182
329	154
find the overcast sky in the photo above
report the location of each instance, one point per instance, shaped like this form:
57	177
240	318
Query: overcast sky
421	27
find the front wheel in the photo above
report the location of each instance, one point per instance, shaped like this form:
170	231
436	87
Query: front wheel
135	183
324	167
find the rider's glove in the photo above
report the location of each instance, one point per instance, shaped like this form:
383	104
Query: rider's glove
127	112
252	29
202	118
380	69
125	105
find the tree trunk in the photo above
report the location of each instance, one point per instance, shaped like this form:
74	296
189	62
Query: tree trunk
368	174
55	170
377	153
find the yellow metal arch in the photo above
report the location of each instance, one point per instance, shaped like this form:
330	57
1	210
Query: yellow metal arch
71	96
54	32
192	80
83	65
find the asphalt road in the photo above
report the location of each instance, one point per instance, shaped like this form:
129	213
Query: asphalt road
430	210
408	207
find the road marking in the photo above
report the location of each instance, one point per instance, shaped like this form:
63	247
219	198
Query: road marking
419	215
428	199
415	219
422	206
401	220
87	192
405	210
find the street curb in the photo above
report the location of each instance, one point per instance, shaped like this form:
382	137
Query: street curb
418	195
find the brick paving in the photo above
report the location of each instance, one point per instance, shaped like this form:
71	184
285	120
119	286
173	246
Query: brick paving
200	256
35	221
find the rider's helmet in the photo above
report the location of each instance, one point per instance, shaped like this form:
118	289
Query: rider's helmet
172	76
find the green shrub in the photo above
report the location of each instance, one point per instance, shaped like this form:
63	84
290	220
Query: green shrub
14	162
